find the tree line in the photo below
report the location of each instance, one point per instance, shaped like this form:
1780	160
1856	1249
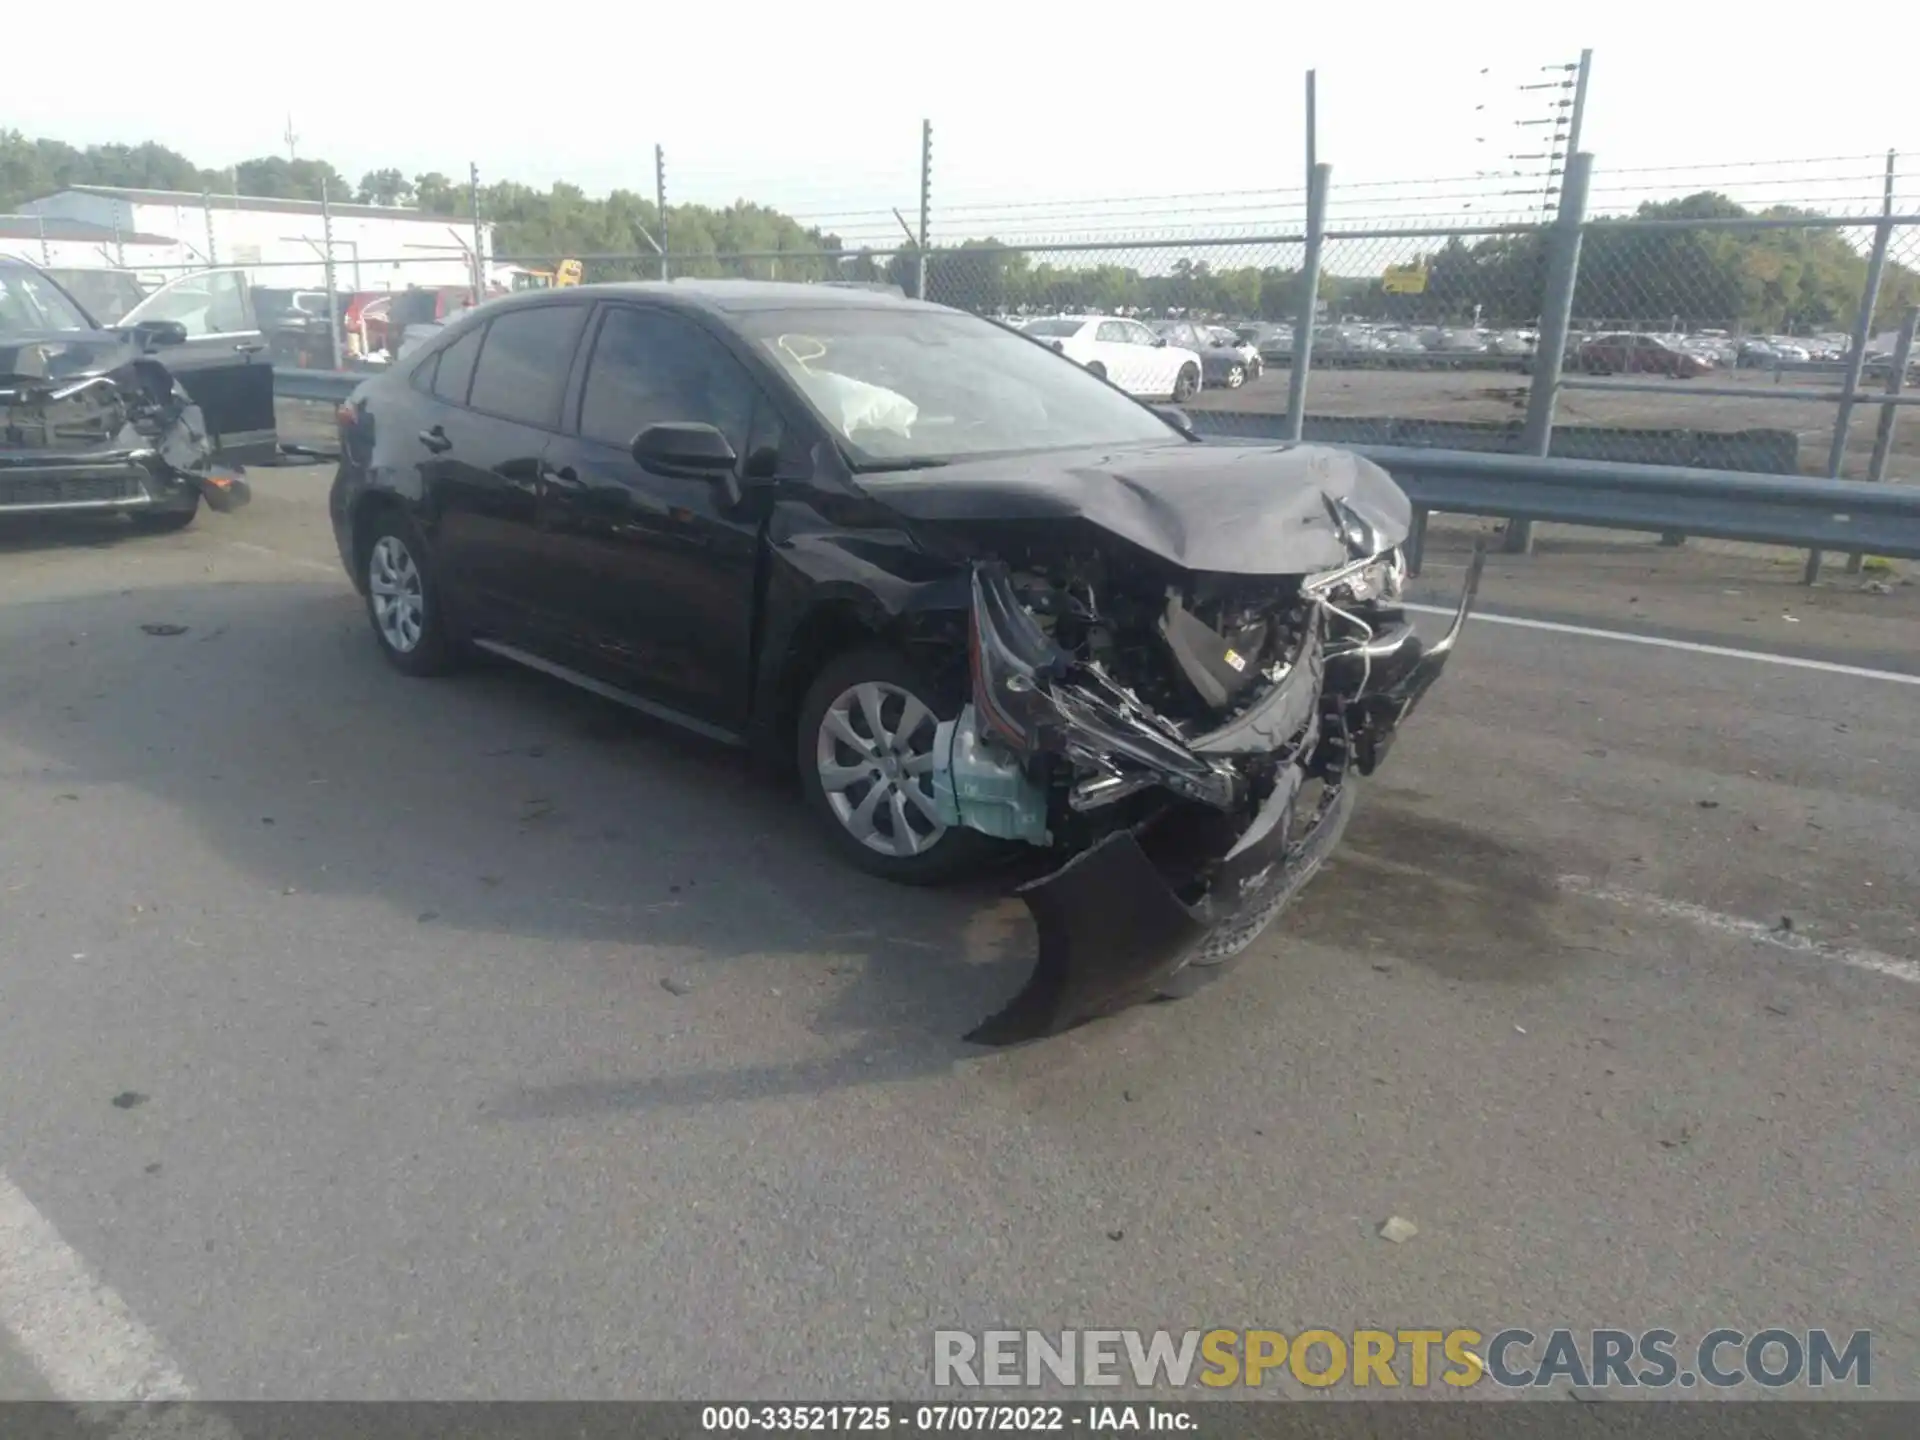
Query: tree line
1769	279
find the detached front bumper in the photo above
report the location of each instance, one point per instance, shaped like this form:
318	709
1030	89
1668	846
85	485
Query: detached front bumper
1112	929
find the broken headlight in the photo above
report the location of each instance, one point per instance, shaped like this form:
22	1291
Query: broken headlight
1378	578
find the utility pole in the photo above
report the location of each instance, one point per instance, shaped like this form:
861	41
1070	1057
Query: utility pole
293	140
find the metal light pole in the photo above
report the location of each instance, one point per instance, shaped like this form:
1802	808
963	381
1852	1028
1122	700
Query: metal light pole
926	204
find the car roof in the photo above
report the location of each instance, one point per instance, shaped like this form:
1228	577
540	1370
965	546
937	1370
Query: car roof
728	296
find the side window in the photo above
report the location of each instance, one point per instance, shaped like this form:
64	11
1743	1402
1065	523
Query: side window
524	362
652	368
1140	335
216	303
455	371
1114	332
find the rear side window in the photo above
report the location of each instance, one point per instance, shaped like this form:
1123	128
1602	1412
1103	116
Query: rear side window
523	365
455	369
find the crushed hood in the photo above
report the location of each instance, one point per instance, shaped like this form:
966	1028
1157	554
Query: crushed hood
1228	509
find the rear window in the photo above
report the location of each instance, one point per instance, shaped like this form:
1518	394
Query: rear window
454	367
524	362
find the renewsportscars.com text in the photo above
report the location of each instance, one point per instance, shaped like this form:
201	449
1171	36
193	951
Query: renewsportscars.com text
1511	1358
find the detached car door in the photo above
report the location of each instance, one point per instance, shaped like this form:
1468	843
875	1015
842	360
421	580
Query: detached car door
661	568
223	364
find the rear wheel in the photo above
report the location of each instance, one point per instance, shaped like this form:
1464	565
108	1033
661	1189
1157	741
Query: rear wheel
403	599
866	758
1094	367
1187	383
1236	376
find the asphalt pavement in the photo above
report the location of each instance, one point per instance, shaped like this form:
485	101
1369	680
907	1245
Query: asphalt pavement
363	1037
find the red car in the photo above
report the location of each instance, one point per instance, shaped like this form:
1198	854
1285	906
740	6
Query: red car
1624	354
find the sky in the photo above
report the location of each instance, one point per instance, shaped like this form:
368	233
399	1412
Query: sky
1044	114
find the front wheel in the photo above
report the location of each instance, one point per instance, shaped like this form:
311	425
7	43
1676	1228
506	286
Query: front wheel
1236	376
866	761
1187	384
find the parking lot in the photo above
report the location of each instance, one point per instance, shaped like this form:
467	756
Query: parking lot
1501	396
378	1038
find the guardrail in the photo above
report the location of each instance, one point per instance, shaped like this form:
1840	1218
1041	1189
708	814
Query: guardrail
1854	516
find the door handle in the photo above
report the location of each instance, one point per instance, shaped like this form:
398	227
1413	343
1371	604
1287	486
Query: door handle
565	478
435	439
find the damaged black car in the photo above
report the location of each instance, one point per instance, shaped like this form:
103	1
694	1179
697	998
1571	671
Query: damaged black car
95	419
987	604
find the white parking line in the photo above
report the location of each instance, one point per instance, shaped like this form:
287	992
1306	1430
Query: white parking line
1891	966
77	1332
1630	637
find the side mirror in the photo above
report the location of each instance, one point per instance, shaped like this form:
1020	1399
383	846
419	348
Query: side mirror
155	334
689	451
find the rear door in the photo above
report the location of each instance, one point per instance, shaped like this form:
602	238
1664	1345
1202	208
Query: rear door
500	386
223	364
658	566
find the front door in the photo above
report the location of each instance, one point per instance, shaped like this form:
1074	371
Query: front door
223	364
660	567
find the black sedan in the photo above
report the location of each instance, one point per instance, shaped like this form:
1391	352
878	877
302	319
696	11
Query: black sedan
122	421
1225	359
979	598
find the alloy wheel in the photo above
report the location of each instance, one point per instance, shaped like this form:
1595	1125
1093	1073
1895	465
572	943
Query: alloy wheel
399	594
874	753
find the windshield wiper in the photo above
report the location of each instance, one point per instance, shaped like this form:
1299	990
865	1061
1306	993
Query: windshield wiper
917	462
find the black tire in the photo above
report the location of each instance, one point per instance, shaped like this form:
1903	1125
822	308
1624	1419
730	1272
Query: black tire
1094	367
1187	384
165	522
956	852
432	650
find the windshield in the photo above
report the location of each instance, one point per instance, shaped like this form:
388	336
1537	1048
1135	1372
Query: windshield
1060	329
902	386
106	294
30	303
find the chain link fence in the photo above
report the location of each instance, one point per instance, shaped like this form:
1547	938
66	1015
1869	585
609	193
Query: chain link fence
1743	317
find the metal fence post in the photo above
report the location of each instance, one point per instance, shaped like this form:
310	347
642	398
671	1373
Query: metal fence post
926	205
1318	183
206	203
1889	415
1556	322
333	297
1857	349
660	208
479	259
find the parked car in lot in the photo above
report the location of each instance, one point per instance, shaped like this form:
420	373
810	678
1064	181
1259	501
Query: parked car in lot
114	421
1123	351
1222	361
1639	354
1225	335
976	597
1274	342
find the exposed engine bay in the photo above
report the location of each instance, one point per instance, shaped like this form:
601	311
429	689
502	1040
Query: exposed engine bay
1187	738
86	424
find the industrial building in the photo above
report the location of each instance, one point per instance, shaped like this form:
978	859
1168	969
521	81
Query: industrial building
280	243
